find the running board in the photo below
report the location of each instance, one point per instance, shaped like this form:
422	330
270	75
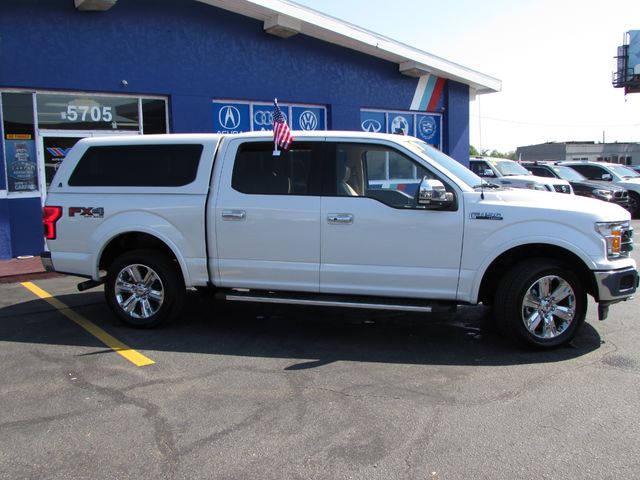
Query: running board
342	301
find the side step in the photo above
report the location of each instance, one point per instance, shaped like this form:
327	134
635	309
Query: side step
342	301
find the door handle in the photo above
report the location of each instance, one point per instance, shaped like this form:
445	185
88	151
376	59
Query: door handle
340	218
234	214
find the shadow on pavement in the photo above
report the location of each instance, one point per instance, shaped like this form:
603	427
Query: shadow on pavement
311	337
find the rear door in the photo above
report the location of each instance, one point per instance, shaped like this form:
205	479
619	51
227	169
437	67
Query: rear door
267	217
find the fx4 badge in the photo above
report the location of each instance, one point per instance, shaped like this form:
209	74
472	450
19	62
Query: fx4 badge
90	212
485	216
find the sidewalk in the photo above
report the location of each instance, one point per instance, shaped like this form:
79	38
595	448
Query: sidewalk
22	269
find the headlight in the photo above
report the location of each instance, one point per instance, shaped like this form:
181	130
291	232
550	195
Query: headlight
612	234
535	186
602	193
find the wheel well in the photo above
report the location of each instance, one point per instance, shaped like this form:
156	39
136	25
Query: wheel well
132	241
504	262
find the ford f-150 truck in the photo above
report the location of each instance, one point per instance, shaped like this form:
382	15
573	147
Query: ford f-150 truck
329	222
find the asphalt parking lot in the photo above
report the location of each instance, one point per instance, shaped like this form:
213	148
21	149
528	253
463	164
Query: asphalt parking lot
267	392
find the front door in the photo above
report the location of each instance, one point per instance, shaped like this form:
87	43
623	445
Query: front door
375	240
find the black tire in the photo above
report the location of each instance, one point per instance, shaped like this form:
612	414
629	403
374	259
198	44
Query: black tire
144	288
634	204
527	311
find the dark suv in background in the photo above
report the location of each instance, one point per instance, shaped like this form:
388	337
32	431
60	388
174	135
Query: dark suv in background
581	185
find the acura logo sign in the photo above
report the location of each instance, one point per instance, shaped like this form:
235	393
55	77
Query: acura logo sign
229	117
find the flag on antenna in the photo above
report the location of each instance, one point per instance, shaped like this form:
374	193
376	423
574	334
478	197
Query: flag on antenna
281	134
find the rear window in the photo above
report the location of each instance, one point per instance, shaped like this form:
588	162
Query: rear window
137	166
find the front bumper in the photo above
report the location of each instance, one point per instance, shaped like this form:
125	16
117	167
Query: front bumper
616	285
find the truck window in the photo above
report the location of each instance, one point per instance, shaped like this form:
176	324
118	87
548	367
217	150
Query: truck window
256	171
162	165
375	171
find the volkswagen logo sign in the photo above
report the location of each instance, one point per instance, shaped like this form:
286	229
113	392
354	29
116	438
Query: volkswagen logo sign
400	123
229	117
427	127
308	120
371	125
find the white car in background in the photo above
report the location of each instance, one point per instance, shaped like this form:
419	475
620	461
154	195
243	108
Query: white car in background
508	173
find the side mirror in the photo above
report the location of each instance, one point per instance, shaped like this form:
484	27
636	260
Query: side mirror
432	194
607	177
488	173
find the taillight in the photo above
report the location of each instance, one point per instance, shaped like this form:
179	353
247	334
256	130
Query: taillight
50	216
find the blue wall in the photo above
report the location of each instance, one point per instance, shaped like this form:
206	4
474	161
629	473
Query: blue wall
192	53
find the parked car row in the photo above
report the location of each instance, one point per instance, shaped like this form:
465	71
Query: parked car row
608	182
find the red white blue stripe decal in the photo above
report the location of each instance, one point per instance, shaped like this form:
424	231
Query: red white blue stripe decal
428	93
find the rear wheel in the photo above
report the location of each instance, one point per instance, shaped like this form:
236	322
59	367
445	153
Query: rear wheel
144	288
540	303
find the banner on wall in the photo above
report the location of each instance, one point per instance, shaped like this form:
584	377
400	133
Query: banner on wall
425	126
22	169
235	117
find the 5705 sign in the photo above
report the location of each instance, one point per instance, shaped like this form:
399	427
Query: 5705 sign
86	113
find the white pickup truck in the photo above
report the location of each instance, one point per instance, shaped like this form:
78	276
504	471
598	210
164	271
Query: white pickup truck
346	219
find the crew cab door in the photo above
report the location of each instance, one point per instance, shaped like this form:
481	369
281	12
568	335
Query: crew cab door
375	239
267	217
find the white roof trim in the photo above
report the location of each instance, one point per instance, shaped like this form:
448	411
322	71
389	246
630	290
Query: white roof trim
330	29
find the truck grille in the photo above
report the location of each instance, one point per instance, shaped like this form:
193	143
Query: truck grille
621	194
562	188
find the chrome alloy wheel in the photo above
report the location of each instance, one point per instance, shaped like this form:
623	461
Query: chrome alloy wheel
548	307
139	291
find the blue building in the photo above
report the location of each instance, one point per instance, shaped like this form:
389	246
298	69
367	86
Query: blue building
69	70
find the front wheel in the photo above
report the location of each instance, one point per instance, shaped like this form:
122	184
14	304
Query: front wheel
540	303
144	288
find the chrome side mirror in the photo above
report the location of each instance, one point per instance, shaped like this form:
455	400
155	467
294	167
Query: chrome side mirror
488	173
432	194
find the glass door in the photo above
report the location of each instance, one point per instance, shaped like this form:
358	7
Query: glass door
53	146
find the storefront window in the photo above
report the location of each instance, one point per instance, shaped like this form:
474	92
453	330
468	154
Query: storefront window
19	142
77	112
154	116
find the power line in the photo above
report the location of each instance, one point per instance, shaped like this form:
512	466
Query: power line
549	125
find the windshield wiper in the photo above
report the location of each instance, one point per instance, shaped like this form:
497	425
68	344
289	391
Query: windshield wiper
487	185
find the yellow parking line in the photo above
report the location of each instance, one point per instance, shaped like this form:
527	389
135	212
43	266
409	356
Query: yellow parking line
116	345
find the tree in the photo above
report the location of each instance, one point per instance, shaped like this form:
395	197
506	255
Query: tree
473	151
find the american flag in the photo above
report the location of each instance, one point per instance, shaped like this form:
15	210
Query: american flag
281	133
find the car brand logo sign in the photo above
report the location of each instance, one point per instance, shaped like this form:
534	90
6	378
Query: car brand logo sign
371	125
229	117
308	120
427	127
398	124
58	152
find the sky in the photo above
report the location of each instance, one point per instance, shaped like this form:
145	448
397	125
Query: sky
555	59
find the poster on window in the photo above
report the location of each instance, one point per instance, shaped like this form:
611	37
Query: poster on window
22	170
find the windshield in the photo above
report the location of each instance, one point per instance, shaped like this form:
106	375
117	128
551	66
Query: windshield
453	166
624	172
509	167
569	174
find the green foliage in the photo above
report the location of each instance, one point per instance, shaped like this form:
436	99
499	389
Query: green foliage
474	152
